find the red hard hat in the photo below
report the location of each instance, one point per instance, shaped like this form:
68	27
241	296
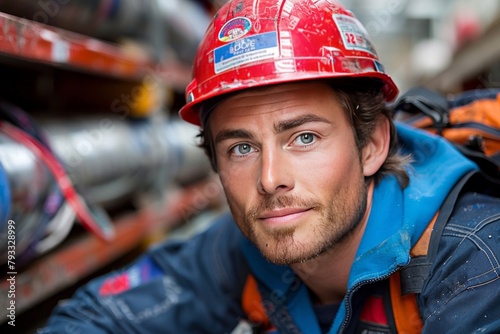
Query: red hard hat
253	43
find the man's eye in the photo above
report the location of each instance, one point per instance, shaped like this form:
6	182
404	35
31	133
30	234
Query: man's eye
241	149
305	138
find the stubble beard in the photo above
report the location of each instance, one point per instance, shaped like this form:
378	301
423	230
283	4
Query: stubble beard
337	218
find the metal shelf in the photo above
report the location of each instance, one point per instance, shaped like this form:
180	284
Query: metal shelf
36	42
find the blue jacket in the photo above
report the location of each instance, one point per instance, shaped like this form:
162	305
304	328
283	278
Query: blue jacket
195	286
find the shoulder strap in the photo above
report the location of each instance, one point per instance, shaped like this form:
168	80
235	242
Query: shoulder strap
490	165
414	275
404	308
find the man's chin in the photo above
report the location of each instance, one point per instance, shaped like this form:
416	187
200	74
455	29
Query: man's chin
279	245
281	254
277	260
286	260
288	251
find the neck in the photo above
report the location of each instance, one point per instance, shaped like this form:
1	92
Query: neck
327	275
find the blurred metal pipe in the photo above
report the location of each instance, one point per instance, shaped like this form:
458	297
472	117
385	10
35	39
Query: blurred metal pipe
112	158
108	159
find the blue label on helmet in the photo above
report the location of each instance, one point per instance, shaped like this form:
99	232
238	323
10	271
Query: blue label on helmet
246	50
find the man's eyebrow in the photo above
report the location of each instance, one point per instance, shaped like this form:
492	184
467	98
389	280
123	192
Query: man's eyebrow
230	134
298	121
278	127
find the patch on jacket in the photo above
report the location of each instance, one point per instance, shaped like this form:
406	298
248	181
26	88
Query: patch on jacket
141	272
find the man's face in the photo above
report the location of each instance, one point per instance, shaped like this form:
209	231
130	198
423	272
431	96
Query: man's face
290	168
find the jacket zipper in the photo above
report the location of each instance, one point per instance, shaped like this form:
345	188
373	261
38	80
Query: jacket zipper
356	288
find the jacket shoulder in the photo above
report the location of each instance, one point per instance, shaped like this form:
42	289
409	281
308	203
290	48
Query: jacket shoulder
466	267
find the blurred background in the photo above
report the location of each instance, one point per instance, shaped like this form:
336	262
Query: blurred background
448	45
89	92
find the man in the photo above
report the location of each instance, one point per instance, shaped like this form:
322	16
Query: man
327	195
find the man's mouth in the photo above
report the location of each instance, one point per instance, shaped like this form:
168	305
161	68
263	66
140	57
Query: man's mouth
282	216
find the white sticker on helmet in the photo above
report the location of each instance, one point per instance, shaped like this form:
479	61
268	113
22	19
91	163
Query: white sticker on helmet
234	29
354	35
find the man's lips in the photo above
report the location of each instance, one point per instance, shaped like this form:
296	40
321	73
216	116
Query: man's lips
282	216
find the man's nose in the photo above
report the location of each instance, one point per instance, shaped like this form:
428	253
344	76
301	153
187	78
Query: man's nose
275	173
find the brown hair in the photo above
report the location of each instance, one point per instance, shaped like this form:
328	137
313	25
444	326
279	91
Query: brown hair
364	103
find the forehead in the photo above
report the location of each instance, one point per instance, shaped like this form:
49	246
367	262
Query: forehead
287	99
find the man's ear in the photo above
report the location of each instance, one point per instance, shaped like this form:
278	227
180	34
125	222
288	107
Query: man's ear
376	150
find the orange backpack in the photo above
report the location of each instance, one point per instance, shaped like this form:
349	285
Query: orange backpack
470	121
